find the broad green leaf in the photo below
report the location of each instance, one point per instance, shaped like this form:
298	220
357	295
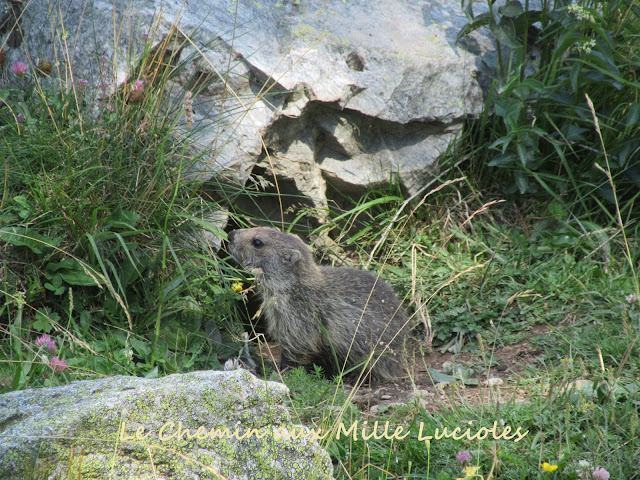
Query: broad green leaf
440	377
23	237
564	43
523	154
482	20
18	378
575	133
505	32
140	346
502	160
511	9
42	323
522	181
72	272
524	21
633	115
533	84
25	211
467	8
508	107
123	219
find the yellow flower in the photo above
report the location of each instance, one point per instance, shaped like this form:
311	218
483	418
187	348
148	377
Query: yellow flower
237	287
470	472
547	467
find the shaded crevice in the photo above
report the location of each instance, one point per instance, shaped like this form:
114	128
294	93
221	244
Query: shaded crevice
345	135
325	121
329	146
268	198
261	82
202	81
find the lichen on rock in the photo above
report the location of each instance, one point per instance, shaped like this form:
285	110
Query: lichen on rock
195	425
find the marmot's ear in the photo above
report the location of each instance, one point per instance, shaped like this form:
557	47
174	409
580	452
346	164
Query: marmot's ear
291	256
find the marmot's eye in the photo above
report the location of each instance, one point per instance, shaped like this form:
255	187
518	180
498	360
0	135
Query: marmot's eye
257	243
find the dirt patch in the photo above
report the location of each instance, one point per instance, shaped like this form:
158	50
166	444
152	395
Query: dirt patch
494	378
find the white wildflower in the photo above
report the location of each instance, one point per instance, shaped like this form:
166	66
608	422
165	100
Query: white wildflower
581	13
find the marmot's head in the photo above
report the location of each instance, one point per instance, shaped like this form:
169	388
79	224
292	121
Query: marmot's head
272	253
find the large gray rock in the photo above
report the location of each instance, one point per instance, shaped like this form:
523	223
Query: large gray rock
118	428
305	95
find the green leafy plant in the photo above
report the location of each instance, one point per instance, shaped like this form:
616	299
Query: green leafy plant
537	126
99	226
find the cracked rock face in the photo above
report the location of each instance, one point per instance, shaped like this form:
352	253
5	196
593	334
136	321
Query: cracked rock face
310	94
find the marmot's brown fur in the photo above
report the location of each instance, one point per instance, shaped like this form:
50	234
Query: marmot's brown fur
335	317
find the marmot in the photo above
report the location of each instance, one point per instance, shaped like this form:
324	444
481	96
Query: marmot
336	317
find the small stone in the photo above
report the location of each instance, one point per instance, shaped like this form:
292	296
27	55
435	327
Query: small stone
493	382
423	394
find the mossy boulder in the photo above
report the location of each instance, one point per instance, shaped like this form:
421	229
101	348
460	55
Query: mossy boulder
196	425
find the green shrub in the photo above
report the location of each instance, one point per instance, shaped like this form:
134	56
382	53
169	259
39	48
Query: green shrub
100	230
537	126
